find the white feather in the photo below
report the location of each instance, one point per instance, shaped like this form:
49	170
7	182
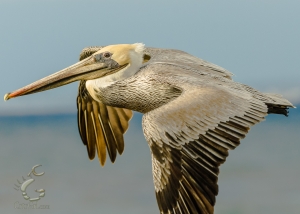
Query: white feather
136	60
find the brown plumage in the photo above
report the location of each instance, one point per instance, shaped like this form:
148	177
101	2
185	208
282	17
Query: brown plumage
101	127
193	114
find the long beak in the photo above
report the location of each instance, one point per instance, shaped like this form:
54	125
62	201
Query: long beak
85	69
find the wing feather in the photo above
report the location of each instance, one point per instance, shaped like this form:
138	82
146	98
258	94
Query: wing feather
101	127
108	133
101	142
124	116
116	128
81	120
189	143
90	130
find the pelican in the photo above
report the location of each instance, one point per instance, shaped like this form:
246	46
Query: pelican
193	113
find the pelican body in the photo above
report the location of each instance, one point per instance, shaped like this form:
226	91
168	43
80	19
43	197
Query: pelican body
193	114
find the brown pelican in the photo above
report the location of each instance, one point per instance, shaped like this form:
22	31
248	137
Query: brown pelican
193	114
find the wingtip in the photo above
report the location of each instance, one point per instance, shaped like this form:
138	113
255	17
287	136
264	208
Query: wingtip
102	163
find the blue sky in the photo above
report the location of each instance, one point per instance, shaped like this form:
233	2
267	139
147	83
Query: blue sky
258	41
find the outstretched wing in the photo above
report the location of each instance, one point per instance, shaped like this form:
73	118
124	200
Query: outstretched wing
189	139
101	127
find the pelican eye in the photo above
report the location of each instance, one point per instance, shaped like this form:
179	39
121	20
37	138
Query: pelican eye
107	54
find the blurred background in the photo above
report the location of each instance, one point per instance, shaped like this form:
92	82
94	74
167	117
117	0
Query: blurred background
258	41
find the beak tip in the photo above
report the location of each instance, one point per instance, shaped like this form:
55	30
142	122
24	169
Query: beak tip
6	97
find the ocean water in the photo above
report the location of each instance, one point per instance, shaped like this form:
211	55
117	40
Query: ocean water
262	175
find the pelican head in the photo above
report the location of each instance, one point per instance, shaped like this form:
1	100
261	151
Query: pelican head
111	63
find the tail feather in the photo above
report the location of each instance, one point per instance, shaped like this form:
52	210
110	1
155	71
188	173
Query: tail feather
278	105
273	109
